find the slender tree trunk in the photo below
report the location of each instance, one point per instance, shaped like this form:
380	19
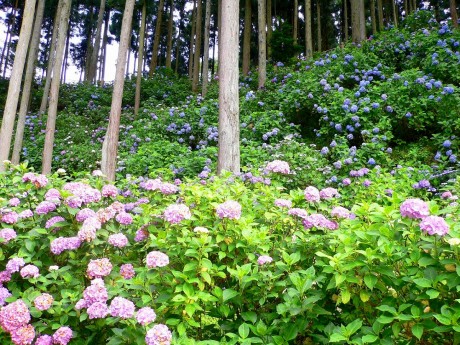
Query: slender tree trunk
295	22
8	37
110	146
104	46
345	20
170	35
262	43
51	59
66	55
395	14
137	100
92	68
12	98
318	22
196	59
308	34
453	13
268	21
380	13
414	5
229	124
219	25
192	41
89	38
406	9
156	39
358	21
213	47
8	45
29	77
127	62
247	37
54	91
373	19
207	29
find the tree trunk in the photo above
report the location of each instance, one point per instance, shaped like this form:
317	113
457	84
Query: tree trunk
51	59
137	100
229	124
176	68
453	13
54	91
207	29
170	35
380	13
395	14
156	39
295	22
345	20
8	38
373	19
92	68
318	22
247	37
196	59
11	104
89	39
262	43
110	146
268	21
308	34
104	48
29	77
358	21
414	5
192	41
66	56
406	9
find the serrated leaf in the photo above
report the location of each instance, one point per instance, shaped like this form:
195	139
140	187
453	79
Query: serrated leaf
370	281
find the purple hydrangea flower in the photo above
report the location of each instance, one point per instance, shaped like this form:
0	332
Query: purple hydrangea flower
121	307
157	259
145	316
158	335
229	209
414	208
434	225
175	213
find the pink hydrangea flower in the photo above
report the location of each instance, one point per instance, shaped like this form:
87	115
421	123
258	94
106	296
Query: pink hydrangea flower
84	214
168	188
157	259
151	184
158	335
99	268
44	340
30	271
15	264
62	244
13	202
124	218
6	235
4	294
230	209
175	213
298	212
14	315
264	259
23	335
54	220
109	191
10	218
283	203
45	207
62	336
328	193
96	292
141	235
118	240
26	214
434	225
278	166
98	310
446	195
121	307
5	277
311	194
414	208
340	212
43	302
145	316
127	271
52	195
88	229
319	221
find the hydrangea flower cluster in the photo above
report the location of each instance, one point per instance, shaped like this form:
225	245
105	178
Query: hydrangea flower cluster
118	240
53	220
312	194
414	208
278	166
230	209
127	271
6	235
121	307
157	259
298	212
319	221
62	244
434	225
328	193
10	217
62	336
29	271
283	203
39	181
145	315
88	229
43	301
85	193
158	335
340	212
264	259
14	319
176	213
99	268
109	190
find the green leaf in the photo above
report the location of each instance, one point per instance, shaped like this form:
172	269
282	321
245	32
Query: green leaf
353	327
345	296
417	330
229	294
336	337
188	289
422	282
289	332
432	293
249	316
385	319
387	308
339	279
369	338
243	330
426	261
443	319
370	281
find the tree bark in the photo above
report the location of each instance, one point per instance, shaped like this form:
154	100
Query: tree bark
358	21
207	28
318	22
66	56
268	21
29	77
395	14
170	35
192	41
104	48
453	13
137	100
308	34
229	124
92	68
345	20
12	98
247	37
380	13
373	19
110	146
8	38
406	9
196	59
262	43
156	39
295	22
51	58
54	90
